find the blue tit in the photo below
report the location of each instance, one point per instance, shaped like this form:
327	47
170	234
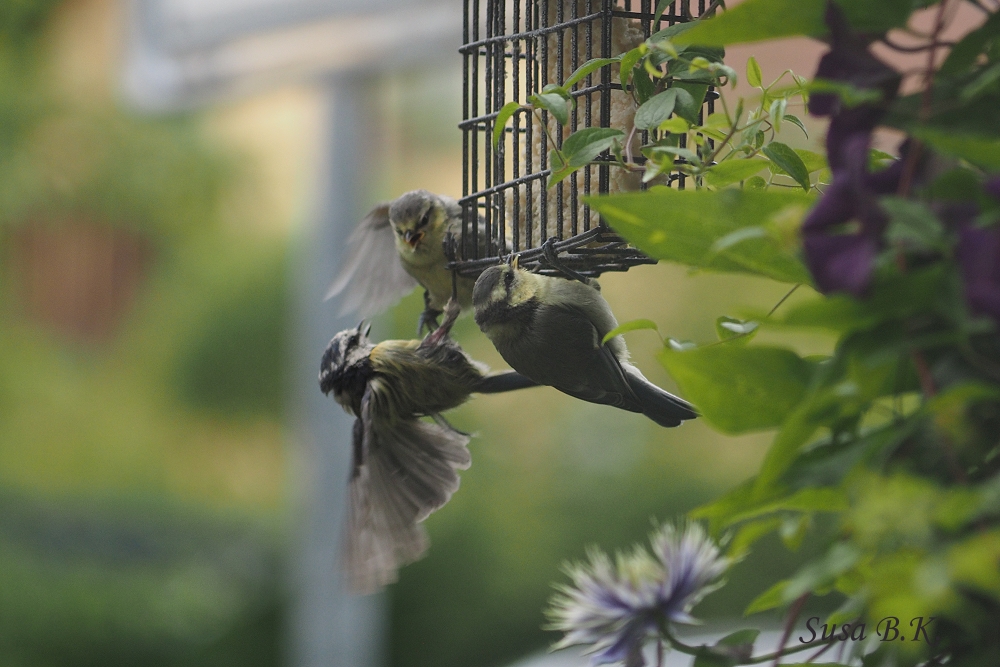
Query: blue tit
399	245
403	467
550	329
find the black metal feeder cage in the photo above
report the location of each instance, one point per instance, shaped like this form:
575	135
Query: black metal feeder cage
513	49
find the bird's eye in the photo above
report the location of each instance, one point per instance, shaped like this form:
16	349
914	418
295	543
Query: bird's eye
424	221
508	279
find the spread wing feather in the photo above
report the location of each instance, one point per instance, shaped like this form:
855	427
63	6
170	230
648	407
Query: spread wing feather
406	470
372	277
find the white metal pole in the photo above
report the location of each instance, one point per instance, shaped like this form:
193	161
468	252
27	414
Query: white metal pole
327	626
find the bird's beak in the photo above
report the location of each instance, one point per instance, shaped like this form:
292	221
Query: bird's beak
513	262
412	237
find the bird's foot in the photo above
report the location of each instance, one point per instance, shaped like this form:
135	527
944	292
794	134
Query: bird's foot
428	317
428	320
552	259
451	312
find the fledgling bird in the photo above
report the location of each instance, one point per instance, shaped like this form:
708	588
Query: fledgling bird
403	467
550	330
399	245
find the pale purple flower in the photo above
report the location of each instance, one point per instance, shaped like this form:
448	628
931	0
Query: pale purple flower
617	606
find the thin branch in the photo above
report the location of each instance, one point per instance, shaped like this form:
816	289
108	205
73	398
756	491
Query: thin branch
687	649
545	127
912	49
793	615
819	652
784	298
628	145
978	6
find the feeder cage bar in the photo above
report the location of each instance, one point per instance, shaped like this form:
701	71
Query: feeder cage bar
513	49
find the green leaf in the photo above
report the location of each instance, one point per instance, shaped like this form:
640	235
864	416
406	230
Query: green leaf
682	226
685	153
554	103
708	658
580	148
558	90
912	224
772	598
795	120
740	638
587	68
758	20
656	110
981	83
899	297
876	17
584	145
838	560
821	573
749	533
728	328
979	150
963	55
631	325
740	389
755	183
809	499
753	72
675	125
777	112
689	99
783	156
732	171
733	649
661	7
671	32
628	62
644	88
850	95
506	111
797	428
813	162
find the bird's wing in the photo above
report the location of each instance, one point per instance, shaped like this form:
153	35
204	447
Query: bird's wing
407	470
373	277
566	352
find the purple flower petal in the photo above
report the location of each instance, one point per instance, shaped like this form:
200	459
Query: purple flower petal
850	61
992	187
841	263
617	607
979	257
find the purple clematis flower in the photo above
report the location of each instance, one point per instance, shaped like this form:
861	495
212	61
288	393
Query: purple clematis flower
616	607
842	235
978	255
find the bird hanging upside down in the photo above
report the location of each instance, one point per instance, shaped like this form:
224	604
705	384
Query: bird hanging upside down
403	467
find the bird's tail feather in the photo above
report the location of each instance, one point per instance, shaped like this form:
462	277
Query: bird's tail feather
409	471
661	406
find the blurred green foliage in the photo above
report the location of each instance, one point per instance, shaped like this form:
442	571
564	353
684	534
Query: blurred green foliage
130	532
